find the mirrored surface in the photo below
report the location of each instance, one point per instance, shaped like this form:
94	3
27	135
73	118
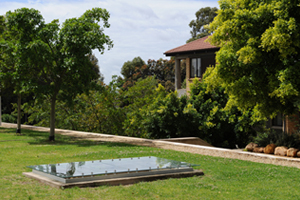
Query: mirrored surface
111	166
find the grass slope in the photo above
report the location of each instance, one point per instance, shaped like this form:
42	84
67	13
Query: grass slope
223	179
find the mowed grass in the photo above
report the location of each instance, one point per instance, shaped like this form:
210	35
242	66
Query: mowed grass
223	179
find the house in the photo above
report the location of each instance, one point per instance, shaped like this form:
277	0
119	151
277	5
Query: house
281	123
199	55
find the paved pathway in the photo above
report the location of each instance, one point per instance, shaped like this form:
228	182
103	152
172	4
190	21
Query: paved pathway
197	149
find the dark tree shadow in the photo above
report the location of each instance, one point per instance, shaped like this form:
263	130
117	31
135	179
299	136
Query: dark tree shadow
41	138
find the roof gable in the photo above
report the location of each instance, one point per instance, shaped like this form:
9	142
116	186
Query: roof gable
196	45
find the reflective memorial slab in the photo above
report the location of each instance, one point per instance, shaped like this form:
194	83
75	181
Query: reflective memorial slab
108	169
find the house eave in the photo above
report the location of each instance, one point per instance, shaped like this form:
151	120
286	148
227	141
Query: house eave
182	53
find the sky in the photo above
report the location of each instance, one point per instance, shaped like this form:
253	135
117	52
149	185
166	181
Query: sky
145	28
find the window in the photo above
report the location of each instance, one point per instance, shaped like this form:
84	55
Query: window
195	67
278	120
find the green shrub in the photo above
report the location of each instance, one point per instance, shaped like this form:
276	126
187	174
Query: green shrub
278	138
8	118
137	99
163	115
171	117
99	111
220	126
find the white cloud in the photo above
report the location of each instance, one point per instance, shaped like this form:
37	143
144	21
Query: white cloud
145	28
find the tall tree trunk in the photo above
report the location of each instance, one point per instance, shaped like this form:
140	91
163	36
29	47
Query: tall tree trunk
19	115
52	119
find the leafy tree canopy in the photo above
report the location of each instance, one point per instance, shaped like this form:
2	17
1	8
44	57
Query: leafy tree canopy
128	71
204	16
258	63
162	69
128	68
53	59
96	67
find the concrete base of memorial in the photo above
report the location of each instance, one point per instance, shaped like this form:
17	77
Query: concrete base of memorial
112	182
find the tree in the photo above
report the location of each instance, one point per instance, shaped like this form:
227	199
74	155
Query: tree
258	63
128	71
12	47
96	68
99	111
220	126
162	69
58	56
164	72
156	113
204	16
138	97
169	116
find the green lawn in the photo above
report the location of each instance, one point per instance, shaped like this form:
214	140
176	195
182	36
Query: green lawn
223	179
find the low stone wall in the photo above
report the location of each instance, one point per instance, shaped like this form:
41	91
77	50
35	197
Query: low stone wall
188	140
197	149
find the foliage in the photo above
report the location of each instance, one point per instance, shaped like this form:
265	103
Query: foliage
183	86
12	52
219	126
162	70
171	117
129	73
258	63
102	111
148	111
164	115
6	102
277	138
15	41
9	118
140	94
57	55
158	114
137	99
99	111
95	66
9	60
204	16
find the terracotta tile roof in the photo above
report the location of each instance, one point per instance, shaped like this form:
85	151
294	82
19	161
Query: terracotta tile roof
196	45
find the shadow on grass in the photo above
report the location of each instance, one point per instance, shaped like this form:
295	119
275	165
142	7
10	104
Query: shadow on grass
41	138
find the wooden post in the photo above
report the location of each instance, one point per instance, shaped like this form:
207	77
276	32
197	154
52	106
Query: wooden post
177	74
187	77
